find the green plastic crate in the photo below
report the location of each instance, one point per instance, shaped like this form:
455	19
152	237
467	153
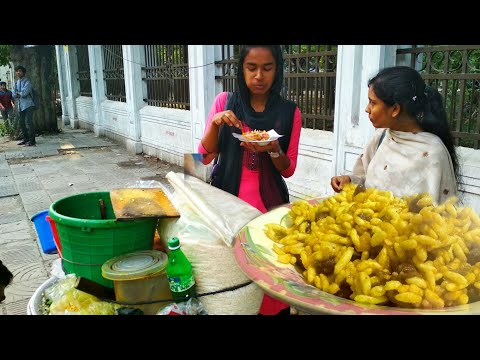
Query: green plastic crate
88	241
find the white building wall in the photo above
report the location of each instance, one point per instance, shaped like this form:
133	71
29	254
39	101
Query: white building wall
469	160
312	175
166	133
356	64
117	115
134	93
169	133
85	112
62	83
98	87
71	95
81	105
202	94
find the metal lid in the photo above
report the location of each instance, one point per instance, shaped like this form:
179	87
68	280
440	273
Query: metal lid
136	265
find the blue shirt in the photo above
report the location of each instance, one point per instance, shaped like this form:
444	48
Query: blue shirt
24	87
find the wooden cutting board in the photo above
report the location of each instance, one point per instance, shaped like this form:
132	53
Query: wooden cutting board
141	203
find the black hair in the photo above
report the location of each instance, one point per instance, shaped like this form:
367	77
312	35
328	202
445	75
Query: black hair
20	67
3	83
276	51
5	275
404	86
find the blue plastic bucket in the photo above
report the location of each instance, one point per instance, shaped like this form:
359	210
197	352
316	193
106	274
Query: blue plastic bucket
44	232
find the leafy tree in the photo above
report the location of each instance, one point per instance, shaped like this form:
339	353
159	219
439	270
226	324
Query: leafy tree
41	68
5	54
461	95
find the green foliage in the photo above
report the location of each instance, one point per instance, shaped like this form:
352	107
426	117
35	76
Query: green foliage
11	128
6	128
461	96
172	54
5	54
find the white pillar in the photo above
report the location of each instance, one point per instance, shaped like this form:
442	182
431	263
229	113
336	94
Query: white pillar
132	64
356	64
202	87
98	86
62	83
347	99
69	77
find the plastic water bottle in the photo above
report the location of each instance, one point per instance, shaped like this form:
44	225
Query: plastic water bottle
179	273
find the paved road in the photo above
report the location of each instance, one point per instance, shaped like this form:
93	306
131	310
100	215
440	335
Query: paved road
31	178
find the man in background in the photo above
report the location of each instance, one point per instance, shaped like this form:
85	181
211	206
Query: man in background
23	92
6	101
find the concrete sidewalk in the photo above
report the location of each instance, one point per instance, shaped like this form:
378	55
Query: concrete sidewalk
31	178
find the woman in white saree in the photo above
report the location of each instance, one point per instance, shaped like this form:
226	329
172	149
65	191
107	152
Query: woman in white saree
412	150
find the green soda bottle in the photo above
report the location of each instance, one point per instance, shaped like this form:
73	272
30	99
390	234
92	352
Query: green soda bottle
179	273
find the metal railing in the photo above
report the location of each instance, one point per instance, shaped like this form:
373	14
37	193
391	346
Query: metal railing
310	72
113	73
83	74
454	70
166	76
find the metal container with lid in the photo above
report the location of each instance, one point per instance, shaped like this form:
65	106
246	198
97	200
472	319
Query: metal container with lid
140	278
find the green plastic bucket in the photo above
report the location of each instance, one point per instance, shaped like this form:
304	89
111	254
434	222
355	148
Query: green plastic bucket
88	241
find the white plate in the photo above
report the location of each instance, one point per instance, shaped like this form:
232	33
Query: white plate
272	133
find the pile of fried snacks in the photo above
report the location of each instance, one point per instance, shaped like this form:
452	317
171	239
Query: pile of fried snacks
375	248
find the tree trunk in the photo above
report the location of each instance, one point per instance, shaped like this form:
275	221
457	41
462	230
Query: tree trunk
40	63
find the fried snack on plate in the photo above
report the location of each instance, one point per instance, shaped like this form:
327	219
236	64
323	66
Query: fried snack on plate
256	135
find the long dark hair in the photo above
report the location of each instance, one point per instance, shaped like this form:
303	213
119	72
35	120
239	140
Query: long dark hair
276	51
404	86
278	114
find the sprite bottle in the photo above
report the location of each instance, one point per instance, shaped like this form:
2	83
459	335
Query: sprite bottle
179	273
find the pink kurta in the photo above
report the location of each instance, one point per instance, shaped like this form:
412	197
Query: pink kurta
249	189
250	180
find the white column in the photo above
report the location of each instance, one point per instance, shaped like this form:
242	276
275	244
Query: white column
98	86
62	83
69	77
347	99
202	87
132	65
356	64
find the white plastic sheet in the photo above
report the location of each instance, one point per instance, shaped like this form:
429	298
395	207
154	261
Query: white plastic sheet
209	221
223	212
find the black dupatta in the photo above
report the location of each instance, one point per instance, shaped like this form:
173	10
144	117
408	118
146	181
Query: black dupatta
278	115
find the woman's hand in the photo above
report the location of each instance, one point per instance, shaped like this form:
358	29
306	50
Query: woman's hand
272	146
228	118
338	182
